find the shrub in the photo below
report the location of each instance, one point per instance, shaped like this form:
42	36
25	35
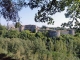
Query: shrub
11	34
39	35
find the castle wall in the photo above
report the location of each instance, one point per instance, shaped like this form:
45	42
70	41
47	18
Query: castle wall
51	33
72	32
57	33
32	28
63	32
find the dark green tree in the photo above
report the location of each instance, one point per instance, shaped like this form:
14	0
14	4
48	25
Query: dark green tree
43	27
64	25
10	8
3	30
17	24
12	34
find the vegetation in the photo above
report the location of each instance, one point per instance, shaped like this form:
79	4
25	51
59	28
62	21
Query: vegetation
10	8
17	24
38	46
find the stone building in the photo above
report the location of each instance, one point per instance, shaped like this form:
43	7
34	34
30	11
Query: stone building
57	33
72	32
63	32
32	28
51	32
54	33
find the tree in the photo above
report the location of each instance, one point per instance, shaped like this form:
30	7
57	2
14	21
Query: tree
17	24
10	8
73	10
68	24
44	27
3	30
63	24
12	34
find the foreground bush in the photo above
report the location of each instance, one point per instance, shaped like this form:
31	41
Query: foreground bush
11	34
66	47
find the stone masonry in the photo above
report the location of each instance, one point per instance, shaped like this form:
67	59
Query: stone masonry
51	32
32	28
57	33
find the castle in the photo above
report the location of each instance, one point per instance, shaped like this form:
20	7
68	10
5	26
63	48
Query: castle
51	32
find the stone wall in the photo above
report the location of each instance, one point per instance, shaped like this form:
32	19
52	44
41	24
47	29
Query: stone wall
63	32
54	33
72	32
32	28
57	33
51	32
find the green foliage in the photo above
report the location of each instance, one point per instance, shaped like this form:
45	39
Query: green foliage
10	9
2	30
39	35
17	24
38	46
12	34
2	27
43	27
66	48
64	24
23	35
27	35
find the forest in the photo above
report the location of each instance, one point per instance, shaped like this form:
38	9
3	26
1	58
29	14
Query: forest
25	45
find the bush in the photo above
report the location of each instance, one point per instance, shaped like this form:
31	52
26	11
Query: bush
12	34
3	30
27	35
2	27
39	35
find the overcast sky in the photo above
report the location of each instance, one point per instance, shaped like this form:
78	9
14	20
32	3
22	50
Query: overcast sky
27	17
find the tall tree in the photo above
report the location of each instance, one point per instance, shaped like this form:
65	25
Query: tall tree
10	8
73	10
63	25
17	24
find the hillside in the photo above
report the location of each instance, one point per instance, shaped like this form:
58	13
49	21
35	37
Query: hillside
26	45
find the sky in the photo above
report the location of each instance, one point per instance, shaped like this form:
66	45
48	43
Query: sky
27	17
